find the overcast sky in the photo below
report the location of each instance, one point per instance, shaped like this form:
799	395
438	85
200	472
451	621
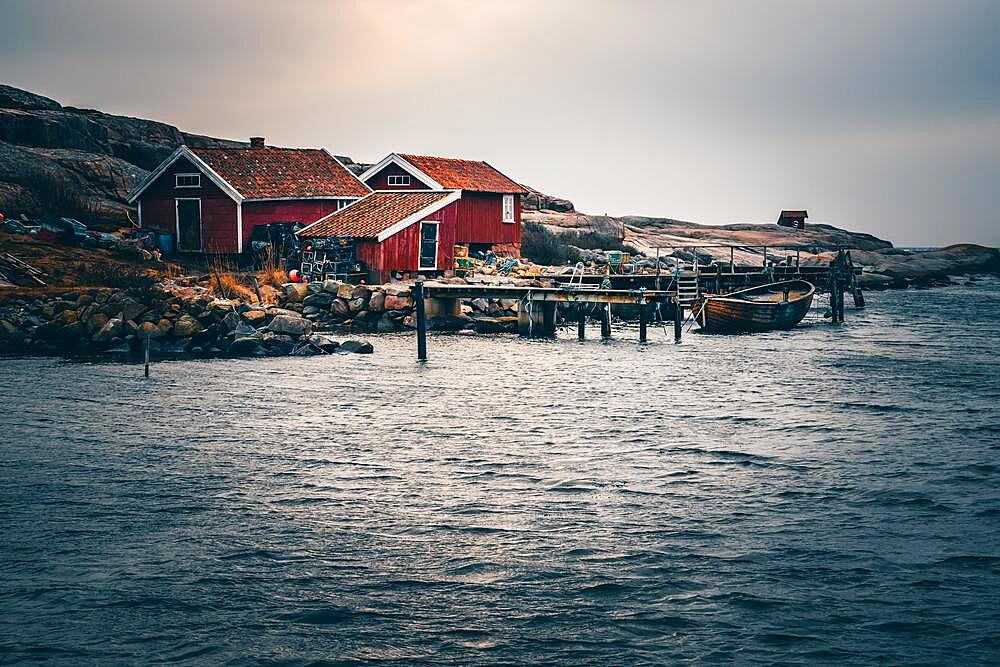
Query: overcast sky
878	116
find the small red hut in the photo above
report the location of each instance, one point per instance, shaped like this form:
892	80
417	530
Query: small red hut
396	231
210	199
489	208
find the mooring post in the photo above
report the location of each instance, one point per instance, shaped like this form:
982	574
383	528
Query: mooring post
418	304
859	298
581	324
643	316
146	369
840	303
678	320
549	319
606	322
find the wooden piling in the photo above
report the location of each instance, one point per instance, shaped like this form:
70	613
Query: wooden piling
146	369
678	321
549	319
581	324
418	304
643	316
606	321
859	298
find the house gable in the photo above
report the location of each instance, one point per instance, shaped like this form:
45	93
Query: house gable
393	164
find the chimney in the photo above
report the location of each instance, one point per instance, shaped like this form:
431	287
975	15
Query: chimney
256	142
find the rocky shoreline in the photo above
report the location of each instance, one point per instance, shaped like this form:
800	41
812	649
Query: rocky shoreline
189	321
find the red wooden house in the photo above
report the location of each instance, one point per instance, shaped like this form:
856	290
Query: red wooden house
210	199
396	231
489	208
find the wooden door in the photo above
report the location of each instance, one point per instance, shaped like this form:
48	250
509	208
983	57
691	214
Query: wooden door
428	245
189	225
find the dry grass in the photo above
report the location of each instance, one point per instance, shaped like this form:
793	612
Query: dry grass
269	273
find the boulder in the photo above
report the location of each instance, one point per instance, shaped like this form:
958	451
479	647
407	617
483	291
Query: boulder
340	308
331	286
243	346
255	316
231	321
480	304
344	291
295	292
357	346
95	322
111	329
397	290
358	304
376	303
318	300
292	326
186	326
396	302
324	343
149	330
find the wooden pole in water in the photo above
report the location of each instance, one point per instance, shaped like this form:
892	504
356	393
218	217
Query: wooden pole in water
581	324
606	322
146	369
643	316
418	304
678	320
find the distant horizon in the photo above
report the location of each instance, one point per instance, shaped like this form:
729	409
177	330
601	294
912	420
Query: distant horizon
882	119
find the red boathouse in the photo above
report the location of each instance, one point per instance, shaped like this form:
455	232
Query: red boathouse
488	215
396	231
210	199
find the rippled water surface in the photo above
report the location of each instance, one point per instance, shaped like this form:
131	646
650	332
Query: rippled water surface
827	495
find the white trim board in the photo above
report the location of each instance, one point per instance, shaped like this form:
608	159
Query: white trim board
394	158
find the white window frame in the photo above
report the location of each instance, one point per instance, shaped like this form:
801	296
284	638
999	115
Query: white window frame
177	181
398	180
508	205
437	244
177	224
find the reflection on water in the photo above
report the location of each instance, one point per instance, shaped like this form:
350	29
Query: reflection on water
827	494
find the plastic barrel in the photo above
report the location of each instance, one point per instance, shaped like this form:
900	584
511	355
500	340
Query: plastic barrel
166	243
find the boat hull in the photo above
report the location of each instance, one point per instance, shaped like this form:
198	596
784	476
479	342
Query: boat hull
736	314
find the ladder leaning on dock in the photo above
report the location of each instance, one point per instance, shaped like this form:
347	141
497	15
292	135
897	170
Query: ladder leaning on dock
687	285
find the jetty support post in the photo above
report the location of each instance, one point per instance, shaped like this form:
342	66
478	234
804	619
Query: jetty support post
606	322
549	319
581	324
859	298
643	316
146	368
418	305
678	319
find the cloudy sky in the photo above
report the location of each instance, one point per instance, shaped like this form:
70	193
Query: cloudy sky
881	116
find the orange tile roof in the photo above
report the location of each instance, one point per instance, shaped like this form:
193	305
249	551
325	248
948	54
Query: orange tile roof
368	217
269	172
463	174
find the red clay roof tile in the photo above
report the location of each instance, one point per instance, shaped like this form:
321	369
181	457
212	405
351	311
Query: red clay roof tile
271	173
372	215
464	174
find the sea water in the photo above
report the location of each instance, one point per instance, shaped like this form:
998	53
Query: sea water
825	495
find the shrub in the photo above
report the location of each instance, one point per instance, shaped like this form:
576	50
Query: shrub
544	247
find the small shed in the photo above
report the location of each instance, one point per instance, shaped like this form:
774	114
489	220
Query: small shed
411	231
795	219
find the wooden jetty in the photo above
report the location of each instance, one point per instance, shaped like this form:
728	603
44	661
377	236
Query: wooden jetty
669	292
537	306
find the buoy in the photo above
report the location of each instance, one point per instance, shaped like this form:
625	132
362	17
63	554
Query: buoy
294	276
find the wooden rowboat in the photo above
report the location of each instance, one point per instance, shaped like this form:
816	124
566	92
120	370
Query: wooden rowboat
764	308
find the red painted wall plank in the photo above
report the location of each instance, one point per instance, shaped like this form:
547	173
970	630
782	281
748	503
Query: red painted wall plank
480	219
